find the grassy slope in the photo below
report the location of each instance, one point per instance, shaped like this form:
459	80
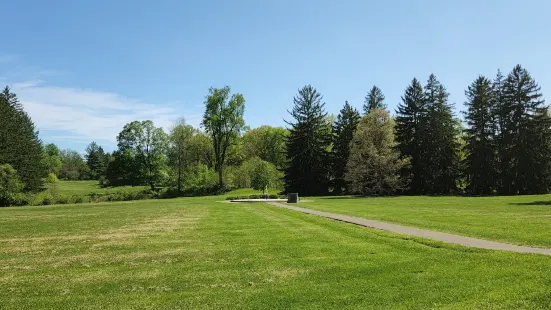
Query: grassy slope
199	253
82	188
522	220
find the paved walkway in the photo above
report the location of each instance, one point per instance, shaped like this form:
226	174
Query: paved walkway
429	234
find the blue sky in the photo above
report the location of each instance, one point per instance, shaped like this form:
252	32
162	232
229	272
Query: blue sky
85	68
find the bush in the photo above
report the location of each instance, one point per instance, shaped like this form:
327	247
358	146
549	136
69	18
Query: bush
10	186
77	199
62	199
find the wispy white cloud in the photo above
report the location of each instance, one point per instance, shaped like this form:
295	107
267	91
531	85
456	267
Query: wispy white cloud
80	115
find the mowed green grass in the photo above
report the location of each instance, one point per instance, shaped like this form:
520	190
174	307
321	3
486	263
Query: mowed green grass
199	253
524	220
82	188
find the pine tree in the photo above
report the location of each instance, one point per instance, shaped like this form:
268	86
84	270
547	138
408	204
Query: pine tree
409	130
374	164
374	100
523	135
308	169
20	146
500	134
343	130
481	162
95	159
439	145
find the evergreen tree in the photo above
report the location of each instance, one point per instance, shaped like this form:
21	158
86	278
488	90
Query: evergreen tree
523	135
343	131
481	161
409	130
500	115
20	146
374	164
374	100
95	159
439	157
307	170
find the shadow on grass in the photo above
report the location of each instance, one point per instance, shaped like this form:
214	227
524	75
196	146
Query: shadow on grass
533	203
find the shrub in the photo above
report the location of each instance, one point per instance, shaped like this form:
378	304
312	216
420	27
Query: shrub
61	199
10	185
77	199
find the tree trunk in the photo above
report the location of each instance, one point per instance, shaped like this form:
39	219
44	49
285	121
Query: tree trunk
179	173
220	179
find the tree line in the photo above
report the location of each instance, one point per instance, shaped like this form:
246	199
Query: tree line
502	147
424	149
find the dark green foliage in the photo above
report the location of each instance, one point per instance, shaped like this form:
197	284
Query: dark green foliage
524	137
439	158
409	133
19	143
96	161
343	131
374	100
308	167
145	146
481	165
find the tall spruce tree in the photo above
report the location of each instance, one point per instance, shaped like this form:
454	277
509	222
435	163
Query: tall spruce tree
20	146
343	131
374	100
439	156
409	129
523	135
481	162
95	159
308	168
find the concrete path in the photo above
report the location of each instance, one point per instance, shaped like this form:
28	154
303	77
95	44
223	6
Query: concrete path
429	234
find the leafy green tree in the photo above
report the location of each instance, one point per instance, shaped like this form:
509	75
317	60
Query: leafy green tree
308	167
267	143
10	185
264	176
410	129
73	166
223	120
147	146
179	139
374	164
481	161
439	160
52	182
343	129
200	150
20	146
95	159
374	100
523	135
52	158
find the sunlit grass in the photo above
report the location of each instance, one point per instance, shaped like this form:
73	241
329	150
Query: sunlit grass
522	220
200	253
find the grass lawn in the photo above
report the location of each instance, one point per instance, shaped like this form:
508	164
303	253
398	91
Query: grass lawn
524	220
199	253
82	188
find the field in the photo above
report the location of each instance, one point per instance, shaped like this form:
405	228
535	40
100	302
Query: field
82	188
523	220
203	253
